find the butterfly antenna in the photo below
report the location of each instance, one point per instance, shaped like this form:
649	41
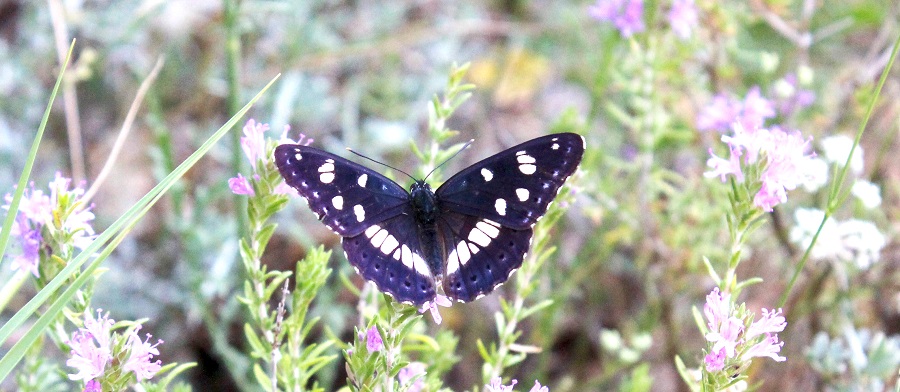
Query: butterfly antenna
383	164
448	159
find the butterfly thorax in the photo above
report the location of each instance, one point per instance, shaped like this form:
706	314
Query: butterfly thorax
425	205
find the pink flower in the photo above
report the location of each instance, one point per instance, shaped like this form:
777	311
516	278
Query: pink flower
771	321
301	140
140	359
790	97
373	340
496	385
254	143
30	242
726	336
717	308
433	307
90	348
715	360
241	186
538	388
719	114
626	15
411	371
756	109
93	386
723	167
682	17
768	347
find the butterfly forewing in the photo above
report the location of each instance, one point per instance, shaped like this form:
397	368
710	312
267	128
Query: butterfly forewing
515	186
347	197
389	254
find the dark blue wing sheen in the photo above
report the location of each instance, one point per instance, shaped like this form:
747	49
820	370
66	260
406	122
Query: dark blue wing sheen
389	254
347	197
488	211
514	187
482	254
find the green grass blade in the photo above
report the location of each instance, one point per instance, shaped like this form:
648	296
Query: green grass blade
29	163
119	228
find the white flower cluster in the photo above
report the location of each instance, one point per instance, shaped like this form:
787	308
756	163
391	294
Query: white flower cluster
853	240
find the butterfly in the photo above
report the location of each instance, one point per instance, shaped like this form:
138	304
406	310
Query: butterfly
467	237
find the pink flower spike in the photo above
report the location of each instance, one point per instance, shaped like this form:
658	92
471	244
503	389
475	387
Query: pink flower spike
241	186
411	371
723	167
439	299
30	242
496	385
756	109
373	340
715	360
717	308
301	140
141	355
726	337
538	388
88	359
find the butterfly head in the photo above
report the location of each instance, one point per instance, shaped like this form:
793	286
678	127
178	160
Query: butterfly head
424	202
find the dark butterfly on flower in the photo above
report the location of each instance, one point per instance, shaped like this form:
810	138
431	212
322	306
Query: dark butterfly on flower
467	236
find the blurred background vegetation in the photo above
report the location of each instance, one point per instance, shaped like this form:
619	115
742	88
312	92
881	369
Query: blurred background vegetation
360	74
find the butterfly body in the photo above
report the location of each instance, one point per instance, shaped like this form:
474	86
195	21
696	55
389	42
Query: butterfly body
468	236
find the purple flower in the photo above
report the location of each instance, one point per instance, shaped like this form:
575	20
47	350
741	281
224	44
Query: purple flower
787	161
626	15
538	388
90	348
30	242
768	347
771	321
717	308
682	17
301	140
411	371
93	386
727	336
439	299
719	114
756	109
140	359
373	340
240	185
715	360
254	143
496	385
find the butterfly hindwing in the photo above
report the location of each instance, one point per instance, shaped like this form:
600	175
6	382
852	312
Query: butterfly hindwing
347	196
389	254
514	187
482	254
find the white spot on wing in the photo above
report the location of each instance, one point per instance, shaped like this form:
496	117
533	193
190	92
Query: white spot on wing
491	231
555	146
396	255
390	243
372	230
360	213
520	152
463	252
420	265
487	174
479	237
473	248
326	178
297	156
326	167
500	206
379	238
338	202
525	159
406	256
362	180
528	168
522	193
452	263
